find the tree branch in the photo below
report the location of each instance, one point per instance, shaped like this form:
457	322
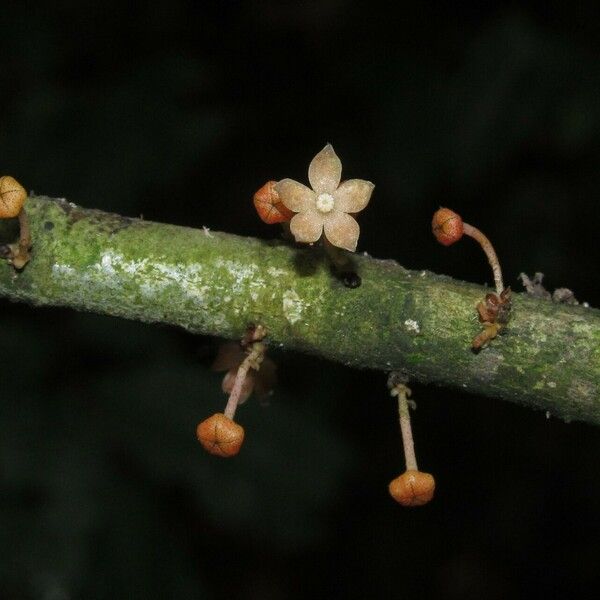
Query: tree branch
216	283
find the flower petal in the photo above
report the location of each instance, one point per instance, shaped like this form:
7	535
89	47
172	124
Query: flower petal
325	171
341	230
295	196
307	226
353	195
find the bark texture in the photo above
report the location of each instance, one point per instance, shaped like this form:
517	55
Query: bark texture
215	283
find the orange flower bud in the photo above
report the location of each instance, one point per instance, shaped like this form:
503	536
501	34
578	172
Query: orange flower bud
447	226
12	197
269	206
412	488
221	436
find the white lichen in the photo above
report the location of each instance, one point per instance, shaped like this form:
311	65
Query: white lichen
59	270
275	272
243	276
412	326
113	269
106	264
292	306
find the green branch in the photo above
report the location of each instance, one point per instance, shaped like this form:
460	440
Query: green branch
216	283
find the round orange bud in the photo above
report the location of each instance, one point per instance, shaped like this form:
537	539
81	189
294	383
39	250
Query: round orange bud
412	488
220	436
12	197
269	206
447	226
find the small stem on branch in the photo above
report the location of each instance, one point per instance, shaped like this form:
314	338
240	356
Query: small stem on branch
342	264
252	361
20	254
25	233
405	427
485	243
234	397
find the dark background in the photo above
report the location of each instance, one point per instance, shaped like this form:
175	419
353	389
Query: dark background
179	111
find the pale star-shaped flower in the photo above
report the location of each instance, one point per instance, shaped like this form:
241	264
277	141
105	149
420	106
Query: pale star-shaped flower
326	206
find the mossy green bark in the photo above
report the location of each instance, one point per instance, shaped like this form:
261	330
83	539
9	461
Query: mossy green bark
216	283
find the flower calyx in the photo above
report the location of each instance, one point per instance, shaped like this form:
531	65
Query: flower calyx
12	204
447	226
412	488
269	206
220	435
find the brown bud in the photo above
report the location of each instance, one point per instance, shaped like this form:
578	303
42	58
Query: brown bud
269	206
12	197
412	488
221	436
490	332
447	226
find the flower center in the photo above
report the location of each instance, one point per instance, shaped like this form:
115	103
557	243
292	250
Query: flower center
325	203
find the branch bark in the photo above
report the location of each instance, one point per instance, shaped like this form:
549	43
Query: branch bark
216	283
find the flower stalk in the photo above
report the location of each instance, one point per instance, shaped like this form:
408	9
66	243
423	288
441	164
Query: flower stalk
403	392
20	254
252	361
413	487
492	257
220	434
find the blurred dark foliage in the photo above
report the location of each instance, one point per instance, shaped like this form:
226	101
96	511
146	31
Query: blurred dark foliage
179	111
